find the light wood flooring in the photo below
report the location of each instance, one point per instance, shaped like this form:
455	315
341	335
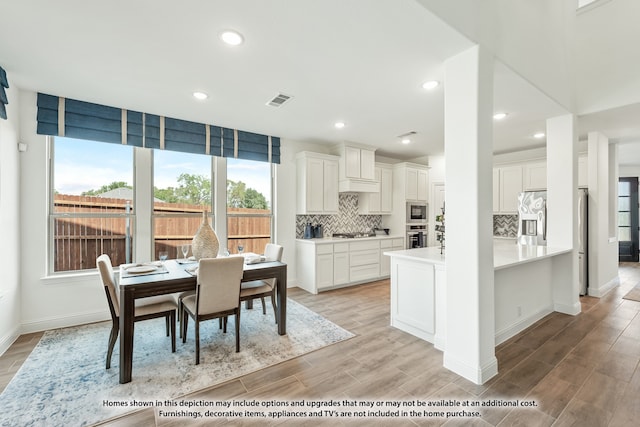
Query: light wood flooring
582	370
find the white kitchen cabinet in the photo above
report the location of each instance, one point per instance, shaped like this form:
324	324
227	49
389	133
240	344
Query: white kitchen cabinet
317	183
535	176
357	162
510	187
387	246
340	263
412	180
379	203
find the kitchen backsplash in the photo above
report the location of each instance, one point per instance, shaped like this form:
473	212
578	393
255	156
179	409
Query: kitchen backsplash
505	226
346	221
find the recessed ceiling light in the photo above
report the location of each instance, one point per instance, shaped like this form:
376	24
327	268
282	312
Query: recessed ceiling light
200	95
339	125
538	135
499	116
406	141
231	37
431	84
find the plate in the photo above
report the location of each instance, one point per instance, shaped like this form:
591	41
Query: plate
141	269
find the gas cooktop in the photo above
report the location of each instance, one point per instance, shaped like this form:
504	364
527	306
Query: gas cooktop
351	235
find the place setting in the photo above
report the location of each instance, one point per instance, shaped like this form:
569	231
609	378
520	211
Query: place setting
145	268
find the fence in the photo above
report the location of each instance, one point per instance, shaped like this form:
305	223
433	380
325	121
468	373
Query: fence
79	240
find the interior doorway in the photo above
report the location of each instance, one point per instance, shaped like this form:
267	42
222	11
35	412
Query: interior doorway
628	233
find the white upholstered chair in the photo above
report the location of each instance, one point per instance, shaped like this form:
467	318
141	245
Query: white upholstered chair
217	296
263	288
146	308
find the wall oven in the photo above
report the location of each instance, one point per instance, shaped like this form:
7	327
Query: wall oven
416	236
416	212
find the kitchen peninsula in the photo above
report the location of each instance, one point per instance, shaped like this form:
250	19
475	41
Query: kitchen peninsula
523	289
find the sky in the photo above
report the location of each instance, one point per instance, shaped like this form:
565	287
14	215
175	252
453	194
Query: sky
87	165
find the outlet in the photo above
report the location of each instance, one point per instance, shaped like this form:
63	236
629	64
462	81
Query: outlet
519	310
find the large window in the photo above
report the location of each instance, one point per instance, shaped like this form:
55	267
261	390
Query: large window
91	203
249	205
182	192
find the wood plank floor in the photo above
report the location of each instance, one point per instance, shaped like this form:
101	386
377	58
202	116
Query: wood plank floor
582	370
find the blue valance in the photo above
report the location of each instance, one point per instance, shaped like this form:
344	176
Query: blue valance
83	120
4	84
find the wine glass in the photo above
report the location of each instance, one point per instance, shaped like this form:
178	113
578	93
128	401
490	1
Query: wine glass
240	249
163	255
185	250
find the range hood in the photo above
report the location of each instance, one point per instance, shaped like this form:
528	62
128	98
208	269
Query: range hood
354	185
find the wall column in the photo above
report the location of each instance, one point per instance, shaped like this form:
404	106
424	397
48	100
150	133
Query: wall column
562	210
468	130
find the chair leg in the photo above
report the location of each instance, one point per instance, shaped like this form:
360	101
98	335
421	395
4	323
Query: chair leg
112	341
197	323
166	318
183	324
172	316
224	325
273	303
264	308
237	329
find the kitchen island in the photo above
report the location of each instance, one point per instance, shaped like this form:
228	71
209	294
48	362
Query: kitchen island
523	289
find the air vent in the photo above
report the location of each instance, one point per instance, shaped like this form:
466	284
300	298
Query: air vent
408	134
279	100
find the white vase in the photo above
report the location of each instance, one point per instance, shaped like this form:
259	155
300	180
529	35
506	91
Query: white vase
205	243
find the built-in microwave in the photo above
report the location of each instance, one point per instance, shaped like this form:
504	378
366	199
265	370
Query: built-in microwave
416	212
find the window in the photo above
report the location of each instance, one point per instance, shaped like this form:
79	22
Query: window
91	203
182	191
249	205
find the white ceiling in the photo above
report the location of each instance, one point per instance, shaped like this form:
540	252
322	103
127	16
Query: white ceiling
358	61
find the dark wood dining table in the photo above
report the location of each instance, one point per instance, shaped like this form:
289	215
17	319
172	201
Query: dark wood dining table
178	279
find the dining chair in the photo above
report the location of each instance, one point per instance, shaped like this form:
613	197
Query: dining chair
145	308
217	296
263	288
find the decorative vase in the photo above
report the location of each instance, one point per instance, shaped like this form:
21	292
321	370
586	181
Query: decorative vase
205	243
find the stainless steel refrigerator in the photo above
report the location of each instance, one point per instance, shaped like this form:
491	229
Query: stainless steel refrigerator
532	218
583	240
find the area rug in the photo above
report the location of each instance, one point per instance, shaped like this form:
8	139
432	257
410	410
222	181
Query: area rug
64	381
633	294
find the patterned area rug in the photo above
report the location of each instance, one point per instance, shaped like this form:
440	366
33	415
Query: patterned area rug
633	294
64	381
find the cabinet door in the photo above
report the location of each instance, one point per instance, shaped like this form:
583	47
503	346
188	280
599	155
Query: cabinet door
340	268
411	184
324	270
423	185
329	194
314	185
496	190
386	189
510	188
535	176
367	164
352	162
374	198
583	175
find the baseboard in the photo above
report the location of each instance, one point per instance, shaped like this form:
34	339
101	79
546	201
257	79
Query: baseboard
600	291
64	322
9	339
521	325
477	375
571	310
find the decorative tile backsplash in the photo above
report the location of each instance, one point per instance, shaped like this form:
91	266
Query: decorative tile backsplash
505	225
346	221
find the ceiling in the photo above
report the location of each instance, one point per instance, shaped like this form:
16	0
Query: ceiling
359	62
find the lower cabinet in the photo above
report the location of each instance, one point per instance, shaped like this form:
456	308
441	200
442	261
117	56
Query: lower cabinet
323	265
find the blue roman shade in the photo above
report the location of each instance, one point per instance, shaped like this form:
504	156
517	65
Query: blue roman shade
83	120
4	84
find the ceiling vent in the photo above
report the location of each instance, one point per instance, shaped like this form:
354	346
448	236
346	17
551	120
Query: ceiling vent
279	100
408	134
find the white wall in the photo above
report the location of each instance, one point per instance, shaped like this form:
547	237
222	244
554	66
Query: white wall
10	220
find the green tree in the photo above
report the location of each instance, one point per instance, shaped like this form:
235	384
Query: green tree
235	193
194	189
255	200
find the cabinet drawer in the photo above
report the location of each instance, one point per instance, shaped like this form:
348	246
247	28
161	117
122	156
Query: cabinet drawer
324	249
398	243
385	244
364	245
364	272
340	247
371	256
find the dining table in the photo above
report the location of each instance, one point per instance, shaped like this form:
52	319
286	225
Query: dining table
173	276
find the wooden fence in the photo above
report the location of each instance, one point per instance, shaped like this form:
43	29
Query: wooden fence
79	241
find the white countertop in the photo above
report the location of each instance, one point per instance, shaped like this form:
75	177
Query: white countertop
325	240
506	253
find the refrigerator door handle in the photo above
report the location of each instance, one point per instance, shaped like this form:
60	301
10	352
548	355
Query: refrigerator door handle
544	224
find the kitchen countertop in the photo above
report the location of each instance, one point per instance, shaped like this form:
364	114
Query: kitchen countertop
324	240
506	253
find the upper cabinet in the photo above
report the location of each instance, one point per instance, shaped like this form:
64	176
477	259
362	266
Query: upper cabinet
378	203
317	183
535	176
509	187
414	181
357	168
